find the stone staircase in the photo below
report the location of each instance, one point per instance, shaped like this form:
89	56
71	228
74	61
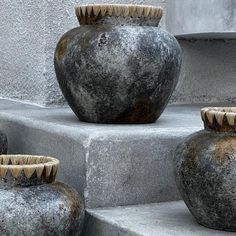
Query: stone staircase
125	172
113	166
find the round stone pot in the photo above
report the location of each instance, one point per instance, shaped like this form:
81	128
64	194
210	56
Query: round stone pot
205	170
32	203
118	66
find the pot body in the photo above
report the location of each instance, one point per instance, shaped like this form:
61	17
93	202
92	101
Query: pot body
205	170
117	73
47	209
3	143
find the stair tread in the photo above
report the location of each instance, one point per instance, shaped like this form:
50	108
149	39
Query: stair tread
158	219
181	118
113	165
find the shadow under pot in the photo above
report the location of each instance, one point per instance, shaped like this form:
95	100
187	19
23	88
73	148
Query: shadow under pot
118	66
205	170
32	203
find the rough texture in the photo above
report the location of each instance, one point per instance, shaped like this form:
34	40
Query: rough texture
48	209
22	50
191	16
3	143
205	174
29	32
118	74
112	164
162	219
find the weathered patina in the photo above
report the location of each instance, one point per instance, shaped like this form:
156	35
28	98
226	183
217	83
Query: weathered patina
205	170
118	67
32	203
3	143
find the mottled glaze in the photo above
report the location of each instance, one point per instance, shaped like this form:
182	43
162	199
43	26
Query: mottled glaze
205	170
118	70
32	203
3	143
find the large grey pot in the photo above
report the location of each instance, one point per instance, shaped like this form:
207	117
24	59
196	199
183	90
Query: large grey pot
205	170
32	203
118	66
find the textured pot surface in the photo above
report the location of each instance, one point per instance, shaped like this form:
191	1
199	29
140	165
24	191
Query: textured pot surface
33	204
3	143
121	71
205	170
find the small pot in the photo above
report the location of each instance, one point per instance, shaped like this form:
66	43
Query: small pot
205	170
32	203
118	66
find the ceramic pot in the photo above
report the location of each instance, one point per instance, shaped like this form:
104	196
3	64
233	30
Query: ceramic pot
205	170
3	143
118	66
32	203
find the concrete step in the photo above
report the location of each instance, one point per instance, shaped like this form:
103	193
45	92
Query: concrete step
112	165
163	219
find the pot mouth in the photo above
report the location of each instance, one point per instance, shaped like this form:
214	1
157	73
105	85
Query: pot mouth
221	119
92	14
28	169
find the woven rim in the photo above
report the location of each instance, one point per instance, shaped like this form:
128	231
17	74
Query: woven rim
122	10
219	118
27	164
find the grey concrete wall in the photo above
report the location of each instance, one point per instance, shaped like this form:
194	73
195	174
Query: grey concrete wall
191	16
208	73
22	61
29	31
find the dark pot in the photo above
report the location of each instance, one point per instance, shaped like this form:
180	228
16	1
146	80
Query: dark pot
32	203
118	66
205	170
3	143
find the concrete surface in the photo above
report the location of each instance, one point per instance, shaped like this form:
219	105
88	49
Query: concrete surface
208	72
194	17
29	31
112	164
163	219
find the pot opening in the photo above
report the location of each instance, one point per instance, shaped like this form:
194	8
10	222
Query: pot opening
118	14
222	119
27	169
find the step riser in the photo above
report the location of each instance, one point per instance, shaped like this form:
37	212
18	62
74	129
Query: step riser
110	171
207	66
112	165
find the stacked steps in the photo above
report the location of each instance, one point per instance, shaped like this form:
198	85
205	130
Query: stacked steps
118	165
113	165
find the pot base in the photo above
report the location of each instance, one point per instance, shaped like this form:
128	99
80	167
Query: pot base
215	227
